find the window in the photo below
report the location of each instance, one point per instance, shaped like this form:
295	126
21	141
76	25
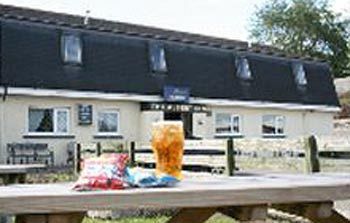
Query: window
157	58
51	121
243	70
108	122
299	74
273	125
227	124
71	47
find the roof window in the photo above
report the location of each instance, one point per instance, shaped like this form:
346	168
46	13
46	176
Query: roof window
157	58
243	69
71	49
299	73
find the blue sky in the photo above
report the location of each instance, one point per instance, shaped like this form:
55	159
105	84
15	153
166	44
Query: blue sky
223	18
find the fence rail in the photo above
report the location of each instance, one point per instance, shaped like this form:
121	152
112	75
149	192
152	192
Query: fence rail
226	155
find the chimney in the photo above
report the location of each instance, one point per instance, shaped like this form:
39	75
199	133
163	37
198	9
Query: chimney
86	19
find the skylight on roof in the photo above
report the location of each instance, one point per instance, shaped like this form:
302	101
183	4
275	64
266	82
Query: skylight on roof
71	48
157	58
243	69
299	73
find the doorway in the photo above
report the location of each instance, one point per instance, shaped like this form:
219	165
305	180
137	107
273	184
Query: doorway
186	118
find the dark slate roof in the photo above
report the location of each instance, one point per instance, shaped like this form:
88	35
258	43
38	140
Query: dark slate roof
115	59
75	21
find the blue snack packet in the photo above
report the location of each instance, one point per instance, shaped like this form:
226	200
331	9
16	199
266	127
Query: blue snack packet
138	178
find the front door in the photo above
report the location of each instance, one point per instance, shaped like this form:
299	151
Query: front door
185	117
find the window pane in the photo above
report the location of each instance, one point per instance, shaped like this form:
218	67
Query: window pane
223	123
235	124
72	49
62	121
108	122
268	124
157	58
242	66
41	120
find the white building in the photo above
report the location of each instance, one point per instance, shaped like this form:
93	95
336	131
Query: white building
62	81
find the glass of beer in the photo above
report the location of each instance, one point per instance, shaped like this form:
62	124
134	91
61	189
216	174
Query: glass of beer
167	144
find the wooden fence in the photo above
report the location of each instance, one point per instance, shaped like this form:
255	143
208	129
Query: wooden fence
220	156
199	155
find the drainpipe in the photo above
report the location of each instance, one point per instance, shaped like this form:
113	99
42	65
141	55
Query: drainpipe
2	148
4	93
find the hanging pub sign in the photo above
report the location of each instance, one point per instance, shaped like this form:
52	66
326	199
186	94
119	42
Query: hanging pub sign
84	114
171	107
176	94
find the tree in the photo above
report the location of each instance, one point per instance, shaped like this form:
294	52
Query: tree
305	28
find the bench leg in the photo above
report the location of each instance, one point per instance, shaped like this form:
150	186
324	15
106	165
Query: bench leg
51	218
193	215
315	212
246	213
14	178
335	217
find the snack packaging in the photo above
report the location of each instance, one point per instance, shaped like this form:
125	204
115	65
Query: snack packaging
137	177
167	144
103	173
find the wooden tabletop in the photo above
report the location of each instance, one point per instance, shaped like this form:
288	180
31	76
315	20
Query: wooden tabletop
203	192
20	168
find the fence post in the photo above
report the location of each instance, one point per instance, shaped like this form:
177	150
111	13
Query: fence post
98	149
230	160
77	158
311	155
132	153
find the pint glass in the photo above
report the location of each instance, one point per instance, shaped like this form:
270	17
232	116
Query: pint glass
167	145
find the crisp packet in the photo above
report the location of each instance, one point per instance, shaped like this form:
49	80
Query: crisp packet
103	173
137	177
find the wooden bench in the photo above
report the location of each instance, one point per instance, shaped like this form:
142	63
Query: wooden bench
29	153
244	198
11	174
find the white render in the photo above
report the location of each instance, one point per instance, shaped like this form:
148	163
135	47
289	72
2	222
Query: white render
135	125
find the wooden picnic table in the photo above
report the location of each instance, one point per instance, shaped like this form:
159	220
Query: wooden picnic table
11	174
242	197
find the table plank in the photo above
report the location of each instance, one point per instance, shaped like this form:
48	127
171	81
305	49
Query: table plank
204	192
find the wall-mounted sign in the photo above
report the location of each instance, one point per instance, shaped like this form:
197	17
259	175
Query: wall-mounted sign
84	114
176	94
170	107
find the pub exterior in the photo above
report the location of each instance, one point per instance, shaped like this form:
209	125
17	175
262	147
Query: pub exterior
67	79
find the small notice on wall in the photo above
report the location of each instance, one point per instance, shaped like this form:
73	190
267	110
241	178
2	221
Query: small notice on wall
84	114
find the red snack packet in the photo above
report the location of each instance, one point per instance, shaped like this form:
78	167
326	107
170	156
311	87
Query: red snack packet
103	173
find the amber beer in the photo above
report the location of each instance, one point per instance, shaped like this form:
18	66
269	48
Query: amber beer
167	144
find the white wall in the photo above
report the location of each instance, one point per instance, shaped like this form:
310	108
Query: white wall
146	120
16	113
136	125
297	123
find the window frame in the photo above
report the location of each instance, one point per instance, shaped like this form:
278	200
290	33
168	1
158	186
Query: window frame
276	120
115	111
54	120
232	132
64	45
154	46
